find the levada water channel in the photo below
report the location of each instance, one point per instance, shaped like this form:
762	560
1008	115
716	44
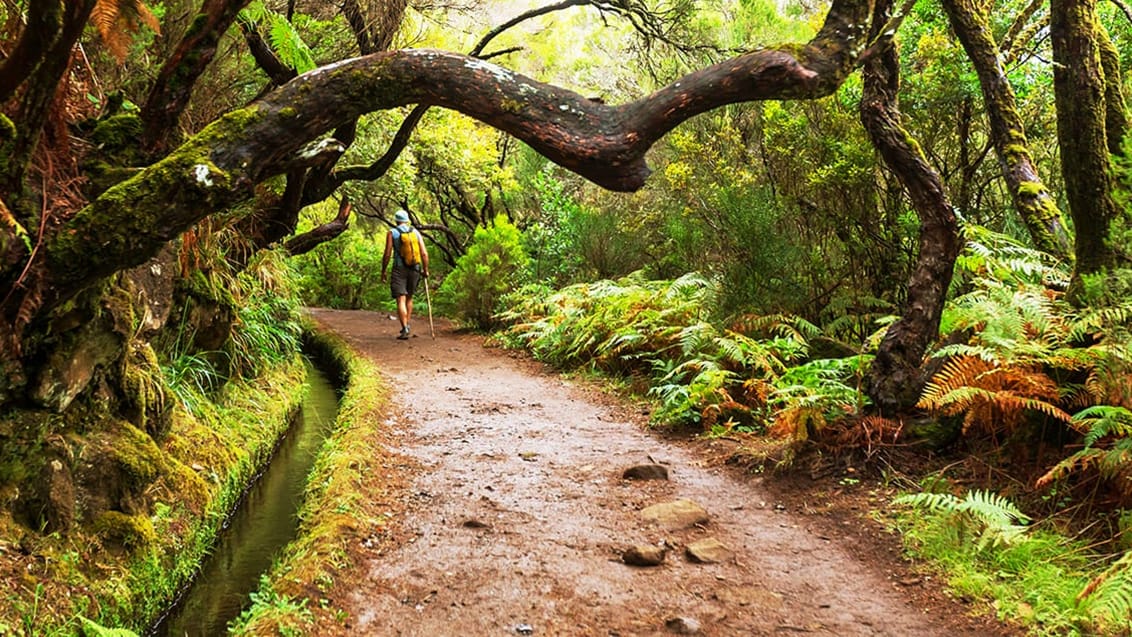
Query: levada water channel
263	522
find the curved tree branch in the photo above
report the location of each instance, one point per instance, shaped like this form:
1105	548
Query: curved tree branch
895	380
221	166
303	243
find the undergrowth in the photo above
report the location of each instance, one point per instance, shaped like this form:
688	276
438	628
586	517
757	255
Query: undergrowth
753	377
1037	578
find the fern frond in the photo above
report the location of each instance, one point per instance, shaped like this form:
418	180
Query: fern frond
289	45
1109	595
955	374
105	15
1100	421
996	518
118	20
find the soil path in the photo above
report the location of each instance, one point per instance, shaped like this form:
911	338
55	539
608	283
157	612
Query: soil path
517	516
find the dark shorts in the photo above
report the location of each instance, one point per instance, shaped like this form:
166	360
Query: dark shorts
403	282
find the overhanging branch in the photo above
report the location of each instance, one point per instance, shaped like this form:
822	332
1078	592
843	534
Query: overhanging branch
220	166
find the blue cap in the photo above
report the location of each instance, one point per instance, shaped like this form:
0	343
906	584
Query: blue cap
401	216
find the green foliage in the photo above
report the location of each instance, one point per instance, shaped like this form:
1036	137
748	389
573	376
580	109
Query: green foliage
700	374
991	518
1109	597
1027	357
92	628
1107	446
488	270
290	616
344	273
285	40
268	325
1031	576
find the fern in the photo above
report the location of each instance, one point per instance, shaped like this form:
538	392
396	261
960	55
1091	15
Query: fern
285	40
996	520
289	45
1109	595
993	396
117	20
1100	423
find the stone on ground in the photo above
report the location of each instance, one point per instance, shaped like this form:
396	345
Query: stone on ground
679	514
708	551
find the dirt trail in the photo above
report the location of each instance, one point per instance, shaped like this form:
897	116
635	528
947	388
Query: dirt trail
518	515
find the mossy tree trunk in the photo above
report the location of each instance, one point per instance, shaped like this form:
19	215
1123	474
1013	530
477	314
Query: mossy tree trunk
1080	89
42	80
1031	199
895	378
174	84
1116	111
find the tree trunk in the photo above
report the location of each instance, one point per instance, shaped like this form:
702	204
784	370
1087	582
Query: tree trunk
174	85
1079	91
35	103
44	20
1033	202
895	380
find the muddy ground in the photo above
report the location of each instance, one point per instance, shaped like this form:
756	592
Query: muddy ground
514	518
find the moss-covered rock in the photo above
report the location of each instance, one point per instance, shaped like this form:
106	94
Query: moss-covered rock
129	531
120	463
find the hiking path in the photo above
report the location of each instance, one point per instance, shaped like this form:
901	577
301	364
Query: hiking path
515	518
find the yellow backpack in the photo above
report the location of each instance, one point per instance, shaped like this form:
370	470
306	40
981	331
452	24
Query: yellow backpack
409	247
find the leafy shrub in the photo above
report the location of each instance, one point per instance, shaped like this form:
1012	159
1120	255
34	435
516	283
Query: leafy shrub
485	273
570	242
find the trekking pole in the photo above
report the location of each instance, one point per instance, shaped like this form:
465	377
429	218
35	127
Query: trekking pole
428	301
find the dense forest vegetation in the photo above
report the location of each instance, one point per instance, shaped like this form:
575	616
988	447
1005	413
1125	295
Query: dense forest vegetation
854	229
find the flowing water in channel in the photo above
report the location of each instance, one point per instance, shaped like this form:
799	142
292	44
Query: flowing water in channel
263	523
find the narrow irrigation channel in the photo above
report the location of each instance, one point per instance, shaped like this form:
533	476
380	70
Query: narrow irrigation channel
264	522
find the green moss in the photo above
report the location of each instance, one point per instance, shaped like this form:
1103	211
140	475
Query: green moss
138	455
117	132
512	106
7	136
130	531
1030	189
1016	151
288	111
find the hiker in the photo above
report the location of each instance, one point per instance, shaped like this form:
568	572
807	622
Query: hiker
410	263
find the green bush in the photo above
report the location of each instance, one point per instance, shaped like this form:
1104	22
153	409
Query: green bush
489	269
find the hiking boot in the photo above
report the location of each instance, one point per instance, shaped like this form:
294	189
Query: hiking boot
404	335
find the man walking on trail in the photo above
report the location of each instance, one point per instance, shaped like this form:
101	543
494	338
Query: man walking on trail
410	263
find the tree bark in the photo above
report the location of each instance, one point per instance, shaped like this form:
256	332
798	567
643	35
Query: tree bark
174	85
303	243
35	103
895	379
1032	200
1116	112
1079	92
221	166
45	18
